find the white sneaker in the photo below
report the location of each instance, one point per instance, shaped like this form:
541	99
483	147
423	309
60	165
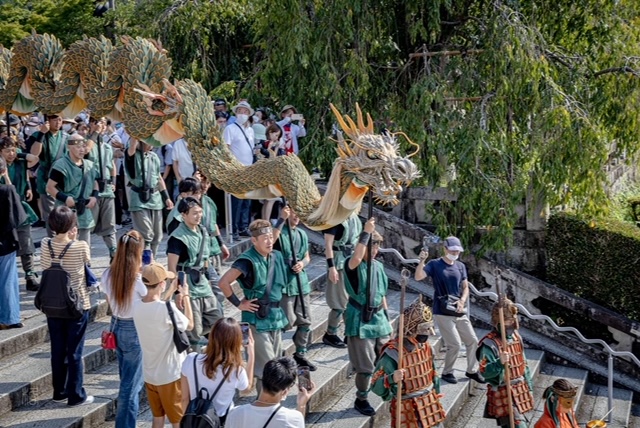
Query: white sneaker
90	399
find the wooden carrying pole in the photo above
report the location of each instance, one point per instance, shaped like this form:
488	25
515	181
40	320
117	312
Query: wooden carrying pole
403	287
503	336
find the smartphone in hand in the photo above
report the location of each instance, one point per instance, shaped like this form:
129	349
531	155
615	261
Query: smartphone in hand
244	326
297	116
304	378
181	279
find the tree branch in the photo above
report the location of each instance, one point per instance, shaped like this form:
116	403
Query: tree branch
624	69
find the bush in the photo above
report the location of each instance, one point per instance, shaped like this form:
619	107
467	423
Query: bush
597	260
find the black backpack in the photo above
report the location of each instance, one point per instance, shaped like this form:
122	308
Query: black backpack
200	412
56	298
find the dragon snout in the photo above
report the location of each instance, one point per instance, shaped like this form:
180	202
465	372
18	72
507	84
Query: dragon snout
405	170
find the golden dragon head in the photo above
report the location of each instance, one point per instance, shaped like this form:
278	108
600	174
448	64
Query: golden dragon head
374	159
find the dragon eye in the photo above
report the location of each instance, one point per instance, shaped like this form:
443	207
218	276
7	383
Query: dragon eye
372	155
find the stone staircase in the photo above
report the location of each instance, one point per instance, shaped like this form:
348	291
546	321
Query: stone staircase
25	373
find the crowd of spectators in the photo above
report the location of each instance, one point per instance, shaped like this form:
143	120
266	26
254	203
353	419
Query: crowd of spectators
86	175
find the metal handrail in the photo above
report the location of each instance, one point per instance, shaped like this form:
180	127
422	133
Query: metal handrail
555	326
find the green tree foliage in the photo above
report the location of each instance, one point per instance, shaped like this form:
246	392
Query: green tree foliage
531	103
208	41
66	19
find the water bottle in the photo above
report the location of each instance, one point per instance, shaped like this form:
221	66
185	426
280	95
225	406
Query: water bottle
146	257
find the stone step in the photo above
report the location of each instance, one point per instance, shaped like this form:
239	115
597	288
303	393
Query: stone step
337	409
333	364
634	418
594	405
465	406
35	330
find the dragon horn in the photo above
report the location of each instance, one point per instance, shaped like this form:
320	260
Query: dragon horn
354	127
338	116
361	126
369	128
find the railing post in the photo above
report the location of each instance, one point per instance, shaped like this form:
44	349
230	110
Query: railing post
229	217
610	387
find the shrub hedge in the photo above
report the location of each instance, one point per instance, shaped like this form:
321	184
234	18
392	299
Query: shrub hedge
597	260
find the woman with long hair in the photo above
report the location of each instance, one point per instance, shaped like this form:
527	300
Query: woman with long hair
222	362
123	286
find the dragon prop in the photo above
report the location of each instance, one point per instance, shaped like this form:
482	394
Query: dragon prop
129	83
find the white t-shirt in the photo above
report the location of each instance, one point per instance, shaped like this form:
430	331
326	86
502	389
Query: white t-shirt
139	291
224	397
234	137
249	415
182	155
161	362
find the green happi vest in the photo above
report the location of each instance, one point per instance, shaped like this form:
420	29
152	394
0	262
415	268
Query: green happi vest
210	222
152	174
52	146
74	176
276	320
18	176
193	241
104	168
352	229
379	325
301	244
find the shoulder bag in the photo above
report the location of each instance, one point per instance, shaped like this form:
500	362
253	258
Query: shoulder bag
180	338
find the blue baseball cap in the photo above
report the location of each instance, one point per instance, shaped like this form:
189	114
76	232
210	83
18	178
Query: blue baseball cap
452	243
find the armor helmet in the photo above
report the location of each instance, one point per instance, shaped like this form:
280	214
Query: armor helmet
509	309
418	319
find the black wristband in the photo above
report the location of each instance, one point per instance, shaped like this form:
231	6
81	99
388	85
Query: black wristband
95	194
21	155
62	197
109	181
364	238
330	262
164	194
279	224
234	299
219	239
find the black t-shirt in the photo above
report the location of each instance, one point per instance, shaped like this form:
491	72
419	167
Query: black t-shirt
246	268
336	231
176	246
58	177
352	275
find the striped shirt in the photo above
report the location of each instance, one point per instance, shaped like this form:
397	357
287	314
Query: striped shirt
73	262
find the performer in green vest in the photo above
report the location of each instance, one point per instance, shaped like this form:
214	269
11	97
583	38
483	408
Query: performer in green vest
104	212
72	182
146	193
261	273
16	174
339	243
367	324
187	248
192	187
296	277
48	143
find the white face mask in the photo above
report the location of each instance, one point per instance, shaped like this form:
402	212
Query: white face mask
242	118
67	127
256	118
29	130
452	257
